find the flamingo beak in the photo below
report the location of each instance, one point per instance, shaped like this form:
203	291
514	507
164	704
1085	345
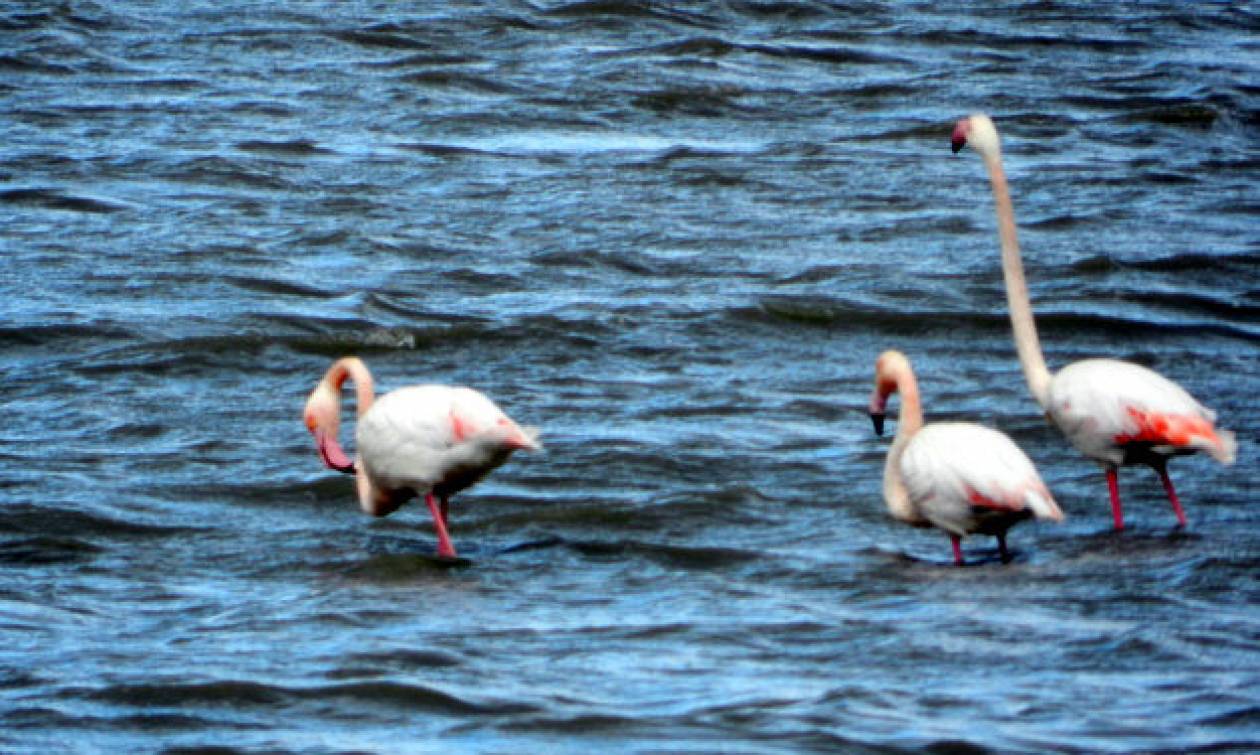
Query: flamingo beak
959	139
879	400
330	451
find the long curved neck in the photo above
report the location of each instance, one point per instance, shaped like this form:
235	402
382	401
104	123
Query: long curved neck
354	369
1025	329
909	421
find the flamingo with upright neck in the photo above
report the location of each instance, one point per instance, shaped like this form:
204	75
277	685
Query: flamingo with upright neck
1115	412
430	440
960	477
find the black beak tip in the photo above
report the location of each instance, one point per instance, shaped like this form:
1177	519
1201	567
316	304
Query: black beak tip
956	145
878	421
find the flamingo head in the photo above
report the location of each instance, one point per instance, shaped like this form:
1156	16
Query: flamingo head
979	132
889	365
322	416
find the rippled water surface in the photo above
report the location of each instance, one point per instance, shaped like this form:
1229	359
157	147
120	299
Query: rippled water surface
675	236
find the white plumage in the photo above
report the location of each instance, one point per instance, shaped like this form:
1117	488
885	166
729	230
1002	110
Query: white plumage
435	437
966	478
959	477
1105	406
427	440
1114	412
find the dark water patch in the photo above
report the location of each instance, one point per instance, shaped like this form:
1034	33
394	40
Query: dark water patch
444	150
381	39
159	722
412	697
46	335
37	717
233	693
949	746
404	659
866	316
1076	323
176	357
342	337
265	108
627	10
1247	715
1063	222
243	694
217	170
697	47
174	84
407	566
276	286
336	338
427	59
295	147
210	750
47	521
450	79
1230	263
1192	114
801	10
1185	303
55	199
706	102
575	725
27	63
832	54
1245	263
918	132
539	543
45	550
674	556
975	39
16	678
595	514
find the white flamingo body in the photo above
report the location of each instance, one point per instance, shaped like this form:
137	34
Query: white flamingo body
1109	409
959	477
426	440
432	437
966	479
1112	411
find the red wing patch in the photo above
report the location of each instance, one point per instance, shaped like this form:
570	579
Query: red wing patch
1166	430
1007	503
460	427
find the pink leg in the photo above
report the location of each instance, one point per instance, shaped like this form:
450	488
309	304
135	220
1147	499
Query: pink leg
1172	494
445	549
1113	485
956	541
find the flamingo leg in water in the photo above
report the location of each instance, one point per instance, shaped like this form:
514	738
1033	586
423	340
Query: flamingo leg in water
956	541
1113	486
445	549
1162	469
446	506
1002	552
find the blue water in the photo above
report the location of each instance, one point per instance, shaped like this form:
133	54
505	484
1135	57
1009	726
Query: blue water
675	236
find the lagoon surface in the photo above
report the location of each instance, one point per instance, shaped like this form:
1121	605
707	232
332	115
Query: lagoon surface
675	236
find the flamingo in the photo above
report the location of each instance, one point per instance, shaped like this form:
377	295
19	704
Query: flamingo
1114	412
960	477
430	440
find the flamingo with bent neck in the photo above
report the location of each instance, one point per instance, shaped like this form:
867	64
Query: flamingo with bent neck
1114	412
430	440
957	476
